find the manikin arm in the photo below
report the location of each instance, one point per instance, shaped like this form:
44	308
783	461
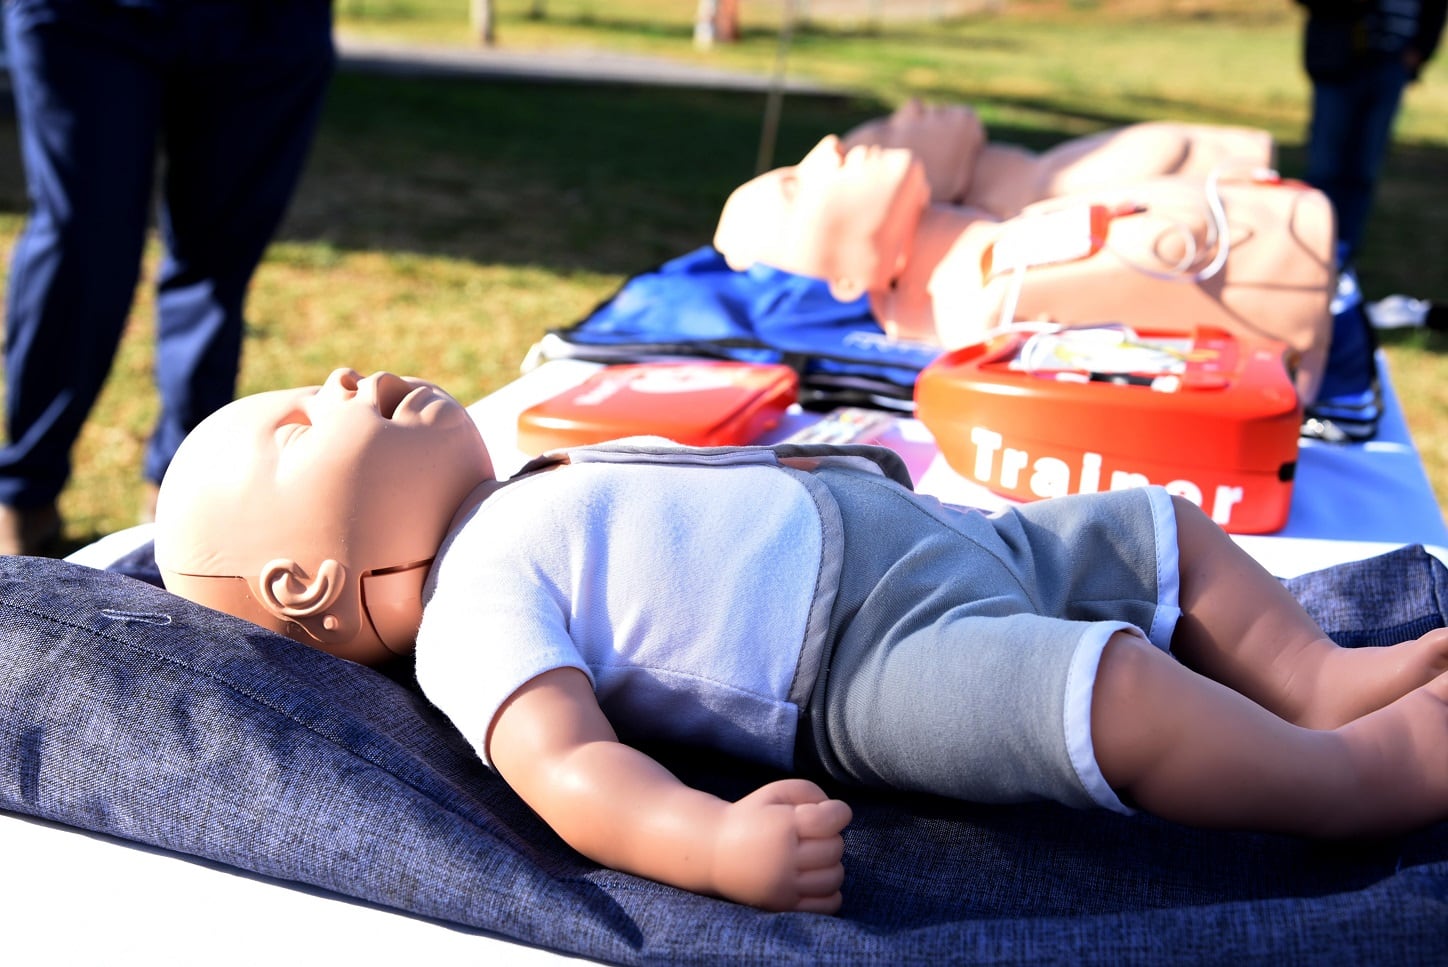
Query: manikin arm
778	848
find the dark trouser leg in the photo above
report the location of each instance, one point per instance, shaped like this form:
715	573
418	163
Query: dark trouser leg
86	96
1352	121
240	115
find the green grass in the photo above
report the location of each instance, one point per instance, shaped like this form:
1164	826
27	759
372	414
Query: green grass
443	225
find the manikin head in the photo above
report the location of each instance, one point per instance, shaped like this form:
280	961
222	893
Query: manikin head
847	217
946	138
316	512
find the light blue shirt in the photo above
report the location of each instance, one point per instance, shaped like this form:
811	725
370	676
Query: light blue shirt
705	625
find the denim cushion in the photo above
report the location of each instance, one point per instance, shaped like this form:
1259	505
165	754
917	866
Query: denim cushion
1379	601
129	711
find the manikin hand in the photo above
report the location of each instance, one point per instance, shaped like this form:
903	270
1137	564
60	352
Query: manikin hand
780	848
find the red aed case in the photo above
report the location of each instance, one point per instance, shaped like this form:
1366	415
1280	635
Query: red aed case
700	403
1211	416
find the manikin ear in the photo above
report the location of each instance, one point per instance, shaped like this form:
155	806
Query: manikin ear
290	593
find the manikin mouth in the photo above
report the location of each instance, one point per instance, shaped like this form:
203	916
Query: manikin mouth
391	391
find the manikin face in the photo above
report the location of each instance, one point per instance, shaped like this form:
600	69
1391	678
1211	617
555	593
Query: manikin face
843	216
323	501
945	138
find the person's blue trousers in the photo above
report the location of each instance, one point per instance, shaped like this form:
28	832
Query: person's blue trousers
1348	138
225	96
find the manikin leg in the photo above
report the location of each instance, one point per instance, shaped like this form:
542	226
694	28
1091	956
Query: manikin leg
1191	750
1241	627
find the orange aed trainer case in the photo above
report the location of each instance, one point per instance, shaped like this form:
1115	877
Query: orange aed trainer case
699	403
1210	416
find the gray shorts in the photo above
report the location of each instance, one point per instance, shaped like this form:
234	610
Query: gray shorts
965	645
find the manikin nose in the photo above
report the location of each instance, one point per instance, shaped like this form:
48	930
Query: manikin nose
383	389
344	378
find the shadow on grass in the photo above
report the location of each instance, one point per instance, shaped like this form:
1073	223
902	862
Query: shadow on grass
1433	341
602	177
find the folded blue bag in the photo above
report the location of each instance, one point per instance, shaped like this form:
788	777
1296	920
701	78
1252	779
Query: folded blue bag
696	305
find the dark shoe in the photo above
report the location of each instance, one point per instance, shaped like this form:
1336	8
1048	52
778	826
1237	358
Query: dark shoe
1437	317
29	530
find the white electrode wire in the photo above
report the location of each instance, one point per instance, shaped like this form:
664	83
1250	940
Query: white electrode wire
1219	236
1007	318
1180	271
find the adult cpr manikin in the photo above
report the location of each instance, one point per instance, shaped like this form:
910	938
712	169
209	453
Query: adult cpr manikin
1250	255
